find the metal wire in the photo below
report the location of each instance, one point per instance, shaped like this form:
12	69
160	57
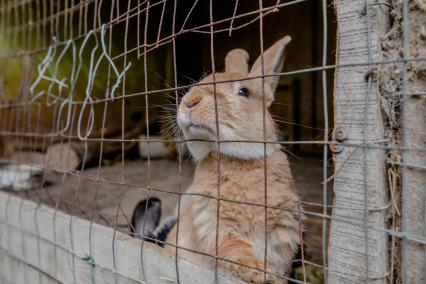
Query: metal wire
42	34
326	131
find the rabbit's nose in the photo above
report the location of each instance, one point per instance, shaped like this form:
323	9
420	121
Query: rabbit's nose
191	102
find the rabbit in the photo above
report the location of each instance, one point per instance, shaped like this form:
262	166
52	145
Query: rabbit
239	238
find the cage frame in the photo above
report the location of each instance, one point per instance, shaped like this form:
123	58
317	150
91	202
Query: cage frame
366	231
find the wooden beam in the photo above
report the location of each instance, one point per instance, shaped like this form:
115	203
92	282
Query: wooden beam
359	253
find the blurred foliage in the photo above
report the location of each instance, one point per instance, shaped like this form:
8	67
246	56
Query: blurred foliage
20	71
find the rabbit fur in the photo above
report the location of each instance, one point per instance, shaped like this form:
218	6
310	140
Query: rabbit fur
240	165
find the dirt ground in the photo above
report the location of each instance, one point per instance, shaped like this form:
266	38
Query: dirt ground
96	194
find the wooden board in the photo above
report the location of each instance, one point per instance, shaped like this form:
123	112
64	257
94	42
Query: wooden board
37	243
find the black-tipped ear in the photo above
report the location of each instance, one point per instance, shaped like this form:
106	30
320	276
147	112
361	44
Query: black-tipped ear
273	61
146	217
236	61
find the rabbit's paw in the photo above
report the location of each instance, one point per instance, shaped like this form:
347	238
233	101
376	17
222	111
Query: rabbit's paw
250	275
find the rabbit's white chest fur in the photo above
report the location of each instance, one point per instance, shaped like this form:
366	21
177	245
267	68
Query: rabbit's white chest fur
242	182
243	150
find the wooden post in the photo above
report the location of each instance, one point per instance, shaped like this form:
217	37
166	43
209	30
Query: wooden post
414	185
360	185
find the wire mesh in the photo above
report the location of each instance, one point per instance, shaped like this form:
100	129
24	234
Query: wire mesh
81	78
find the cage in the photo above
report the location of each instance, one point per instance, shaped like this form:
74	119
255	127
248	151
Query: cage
93	163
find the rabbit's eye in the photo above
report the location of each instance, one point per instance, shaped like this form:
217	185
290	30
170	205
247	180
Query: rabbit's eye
243	92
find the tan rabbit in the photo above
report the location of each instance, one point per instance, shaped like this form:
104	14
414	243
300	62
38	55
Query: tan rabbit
241	234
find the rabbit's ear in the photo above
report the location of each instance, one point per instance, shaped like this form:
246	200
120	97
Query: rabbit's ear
273	61
236	61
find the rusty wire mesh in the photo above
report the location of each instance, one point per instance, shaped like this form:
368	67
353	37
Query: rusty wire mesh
33	28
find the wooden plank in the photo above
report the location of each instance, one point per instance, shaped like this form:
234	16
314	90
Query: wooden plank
13	270
355	252
54	245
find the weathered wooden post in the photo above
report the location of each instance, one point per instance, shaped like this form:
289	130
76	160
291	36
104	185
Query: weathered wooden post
357	252
414	136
